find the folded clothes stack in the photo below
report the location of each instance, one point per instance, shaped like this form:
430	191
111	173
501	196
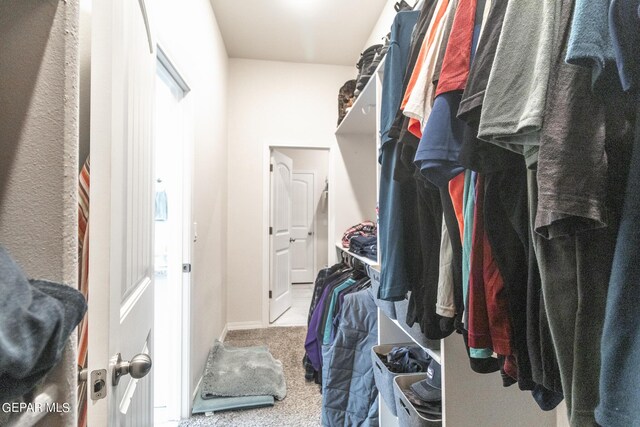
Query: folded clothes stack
365	228
365	246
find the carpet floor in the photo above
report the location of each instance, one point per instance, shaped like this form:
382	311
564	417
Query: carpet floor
303	403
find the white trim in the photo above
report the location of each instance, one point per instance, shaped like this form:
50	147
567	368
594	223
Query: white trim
165	59
195	390
223	334
241	326
147	25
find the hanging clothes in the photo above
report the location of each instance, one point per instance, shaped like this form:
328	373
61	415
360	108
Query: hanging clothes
349	393
620	348
83	282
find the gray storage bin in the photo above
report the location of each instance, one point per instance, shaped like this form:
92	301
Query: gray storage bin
401	309
387	307
383	376
407	414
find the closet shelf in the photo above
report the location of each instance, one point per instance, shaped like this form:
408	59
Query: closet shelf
364	259
361	119
435	354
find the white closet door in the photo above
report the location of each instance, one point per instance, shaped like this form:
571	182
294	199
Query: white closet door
280	241
121	228
302	228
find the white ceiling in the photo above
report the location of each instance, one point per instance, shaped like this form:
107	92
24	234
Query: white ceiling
314	31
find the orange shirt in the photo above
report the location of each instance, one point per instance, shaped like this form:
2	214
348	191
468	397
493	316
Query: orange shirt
456	191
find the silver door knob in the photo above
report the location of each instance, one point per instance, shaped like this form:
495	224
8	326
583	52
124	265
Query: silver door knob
138	367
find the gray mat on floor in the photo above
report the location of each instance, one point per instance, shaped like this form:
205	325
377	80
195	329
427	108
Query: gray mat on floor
242	371
219	404
301	408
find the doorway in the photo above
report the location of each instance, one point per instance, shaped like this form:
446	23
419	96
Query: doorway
172	244
308	244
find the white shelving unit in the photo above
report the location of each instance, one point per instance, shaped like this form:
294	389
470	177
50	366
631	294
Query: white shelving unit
468	398
361	258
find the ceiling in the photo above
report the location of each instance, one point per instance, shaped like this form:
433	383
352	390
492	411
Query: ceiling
314	31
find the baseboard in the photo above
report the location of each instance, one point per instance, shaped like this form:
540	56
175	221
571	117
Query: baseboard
239	326
223	334
195	391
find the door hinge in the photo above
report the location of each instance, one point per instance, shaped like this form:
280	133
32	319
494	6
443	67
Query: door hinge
271	167
186	268
270	294
270	231
98	384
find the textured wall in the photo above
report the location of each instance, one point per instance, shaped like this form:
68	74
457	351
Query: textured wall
38	146
189	33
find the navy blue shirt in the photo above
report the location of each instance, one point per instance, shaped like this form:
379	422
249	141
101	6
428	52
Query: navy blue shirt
439	148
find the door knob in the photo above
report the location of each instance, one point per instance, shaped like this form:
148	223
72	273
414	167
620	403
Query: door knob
291	240
138	367
310	233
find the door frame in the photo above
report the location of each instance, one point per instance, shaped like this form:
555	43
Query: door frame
315	225
268	146
165	59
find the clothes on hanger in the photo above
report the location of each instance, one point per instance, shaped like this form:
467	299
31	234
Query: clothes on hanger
161	203
505	148
349	393
83	282
342	325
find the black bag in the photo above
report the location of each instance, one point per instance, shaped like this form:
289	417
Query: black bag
346	98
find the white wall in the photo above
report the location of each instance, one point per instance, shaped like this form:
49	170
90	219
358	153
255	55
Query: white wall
190	35
383	26
316	161
270	103
39	152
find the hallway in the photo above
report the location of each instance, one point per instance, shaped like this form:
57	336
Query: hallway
299	311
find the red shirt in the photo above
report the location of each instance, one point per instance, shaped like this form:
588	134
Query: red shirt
457	57
489	318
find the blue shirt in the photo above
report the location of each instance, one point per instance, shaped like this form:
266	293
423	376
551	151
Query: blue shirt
394	69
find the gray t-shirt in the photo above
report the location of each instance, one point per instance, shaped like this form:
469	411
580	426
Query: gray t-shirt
515	97
572	165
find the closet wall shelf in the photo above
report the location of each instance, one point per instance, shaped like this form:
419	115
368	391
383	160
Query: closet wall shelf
435	354
364	259
361	119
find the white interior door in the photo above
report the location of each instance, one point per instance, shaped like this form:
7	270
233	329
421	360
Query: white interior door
302	228
121	258
280	241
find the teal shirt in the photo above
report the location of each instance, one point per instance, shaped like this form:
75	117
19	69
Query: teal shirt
468	207
326	340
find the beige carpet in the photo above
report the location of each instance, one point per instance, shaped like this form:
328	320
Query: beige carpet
302	405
